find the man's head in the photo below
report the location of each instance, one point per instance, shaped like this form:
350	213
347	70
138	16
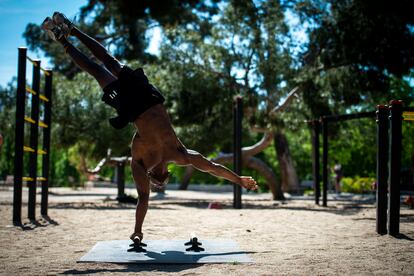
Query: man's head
158	180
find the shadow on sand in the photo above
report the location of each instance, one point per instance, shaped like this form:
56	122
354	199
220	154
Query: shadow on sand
44	221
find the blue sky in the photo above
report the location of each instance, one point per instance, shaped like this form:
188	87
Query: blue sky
14	16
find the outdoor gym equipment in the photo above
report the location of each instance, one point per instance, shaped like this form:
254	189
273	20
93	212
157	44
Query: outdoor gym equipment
237	149
316	129
389	146
32	148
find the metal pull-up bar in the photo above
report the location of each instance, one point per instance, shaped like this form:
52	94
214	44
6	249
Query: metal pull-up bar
32	148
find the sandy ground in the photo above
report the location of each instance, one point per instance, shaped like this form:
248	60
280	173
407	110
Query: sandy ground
294	237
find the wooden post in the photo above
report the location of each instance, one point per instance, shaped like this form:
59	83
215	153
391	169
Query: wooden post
395	167
120	179
382	168
316	160
19	136
46	141
325	174
34	131
237	157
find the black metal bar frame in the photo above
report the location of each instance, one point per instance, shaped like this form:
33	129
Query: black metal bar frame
382	169
324	120
34	133
315	160
325	174
19	136
395	167
120	178
46	142
237	157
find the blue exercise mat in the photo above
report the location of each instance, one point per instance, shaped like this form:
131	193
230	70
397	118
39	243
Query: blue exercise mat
168	252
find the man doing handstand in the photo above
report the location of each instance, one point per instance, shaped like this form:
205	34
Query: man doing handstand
128	91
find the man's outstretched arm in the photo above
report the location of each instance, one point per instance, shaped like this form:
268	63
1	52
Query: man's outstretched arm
201	163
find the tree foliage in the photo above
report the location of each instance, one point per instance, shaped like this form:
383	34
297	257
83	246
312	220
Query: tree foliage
356	48
358	54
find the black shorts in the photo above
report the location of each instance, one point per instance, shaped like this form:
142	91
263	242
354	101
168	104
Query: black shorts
131	95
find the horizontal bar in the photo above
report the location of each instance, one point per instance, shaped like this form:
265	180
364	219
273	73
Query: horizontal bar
408	113
31	91
345	117
29	149
42	124
40	151
45	71
43	98
409	119
40	178
29	120
34	62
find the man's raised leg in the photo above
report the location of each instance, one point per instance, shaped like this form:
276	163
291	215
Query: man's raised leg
97	49
101	74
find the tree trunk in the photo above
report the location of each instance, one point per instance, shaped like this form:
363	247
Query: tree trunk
185	181
264	170
289	179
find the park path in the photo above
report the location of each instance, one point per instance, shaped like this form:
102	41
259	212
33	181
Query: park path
294	237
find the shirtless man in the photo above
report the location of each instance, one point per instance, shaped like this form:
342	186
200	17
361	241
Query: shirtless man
128	91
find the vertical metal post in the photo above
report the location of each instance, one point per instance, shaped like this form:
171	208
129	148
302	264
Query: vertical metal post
382	168
120	179
46	141
315	160
325	174
19	136
395	167
34	130
237	157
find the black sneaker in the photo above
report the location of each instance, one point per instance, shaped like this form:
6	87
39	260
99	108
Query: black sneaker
52	29
63	22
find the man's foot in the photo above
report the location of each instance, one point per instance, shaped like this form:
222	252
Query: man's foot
248	182
52	30
136	237
63	22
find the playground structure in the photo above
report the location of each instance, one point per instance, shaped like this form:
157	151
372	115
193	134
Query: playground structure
389	146
389	123
33	147
316	129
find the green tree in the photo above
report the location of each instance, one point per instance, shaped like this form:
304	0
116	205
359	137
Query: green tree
356	50
7	123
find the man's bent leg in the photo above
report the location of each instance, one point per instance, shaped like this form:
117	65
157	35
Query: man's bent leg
101	74
99	51
139	174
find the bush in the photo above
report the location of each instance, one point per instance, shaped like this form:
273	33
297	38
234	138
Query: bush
357	185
